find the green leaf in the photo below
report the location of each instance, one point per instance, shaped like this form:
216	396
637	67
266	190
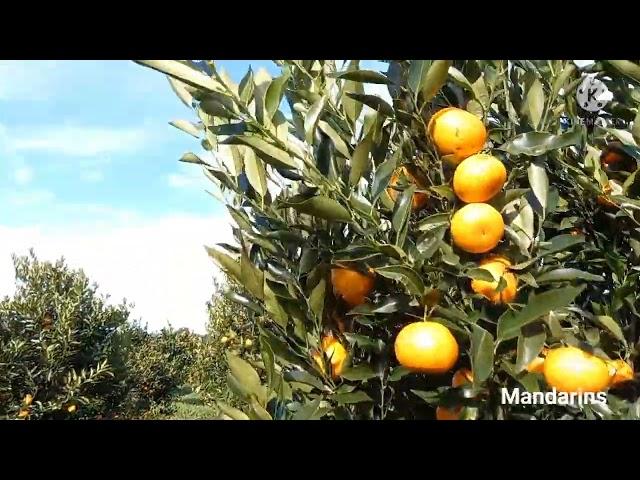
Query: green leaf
561	243
363	76
186	126
179	89
266	151
610	324
245	375
322	207
308	410
184	73
274	93
232	412
255	172
538	143
353	397
480	274
417	71
397	373
359	373
435	78
482	96
311	119
630	69
192	158
259	413
274	308
268	358
401	213
481	354
251	276
383	175
561	79
226	263
509	325
535	103
539	182
338	142
360	163
429	397
366	343
433	222
374	102
301	376
460	79
351	107
567	274
246	87
406	275
530	344
635	130
316	299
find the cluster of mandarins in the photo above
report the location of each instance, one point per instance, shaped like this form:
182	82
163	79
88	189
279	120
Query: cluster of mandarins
477	228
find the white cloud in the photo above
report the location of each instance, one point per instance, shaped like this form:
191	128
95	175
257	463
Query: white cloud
159	265
76	140
22	198
92	176
23	175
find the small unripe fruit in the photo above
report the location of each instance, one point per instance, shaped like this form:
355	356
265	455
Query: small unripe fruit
224	340
248	343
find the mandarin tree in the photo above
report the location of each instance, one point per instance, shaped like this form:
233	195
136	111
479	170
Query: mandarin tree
321	176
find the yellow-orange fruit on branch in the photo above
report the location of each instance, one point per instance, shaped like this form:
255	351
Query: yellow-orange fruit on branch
351	285
570	369
479	178
335	352
537	364
457	132
477	228
443	413
418	200
498	267
462	377
426	347
620	372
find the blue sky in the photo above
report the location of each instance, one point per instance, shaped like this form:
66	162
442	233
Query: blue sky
91	172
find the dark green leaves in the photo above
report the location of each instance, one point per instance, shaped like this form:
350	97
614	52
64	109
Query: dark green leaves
567	274
481	354
364	76
435	78
510	324
245	377
311	119
535	103
360	162
266	151
530	343
538	143
539	182
359	373
352	397
406	275
373	102
274	93
322	207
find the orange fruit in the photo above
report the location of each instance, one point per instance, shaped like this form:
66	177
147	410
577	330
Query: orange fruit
477	228
443	413
351	285
457	132
620	372
497	266
28	398
537	364
570	369
479	178
23	413
462	377
71	408
335	352
427	347
418	200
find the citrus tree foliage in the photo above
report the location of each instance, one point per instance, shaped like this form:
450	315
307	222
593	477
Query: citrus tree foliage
309	190
57	348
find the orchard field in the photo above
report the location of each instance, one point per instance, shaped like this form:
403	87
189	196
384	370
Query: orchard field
411	255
